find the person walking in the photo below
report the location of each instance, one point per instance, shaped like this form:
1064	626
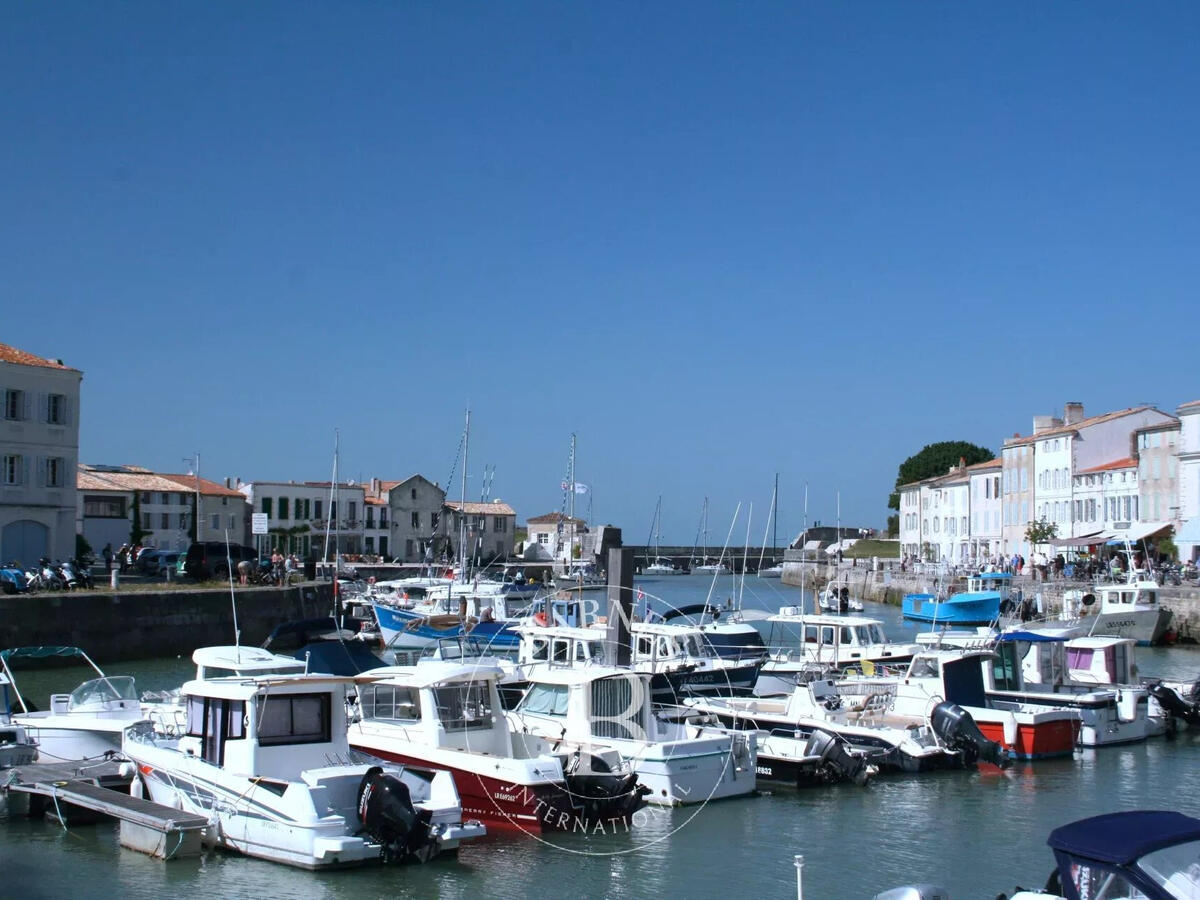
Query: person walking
107	553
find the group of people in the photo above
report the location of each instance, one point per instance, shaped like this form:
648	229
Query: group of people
125	557
280	572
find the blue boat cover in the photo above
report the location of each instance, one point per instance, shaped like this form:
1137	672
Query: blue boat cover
1121	837
1033	637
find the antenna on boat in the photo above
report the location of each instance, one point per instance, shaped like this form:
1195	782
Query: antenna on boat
716	571
237	638
745	556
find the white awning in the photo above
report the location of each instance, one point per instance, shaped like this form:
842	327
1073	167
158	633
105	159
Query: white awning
1137	532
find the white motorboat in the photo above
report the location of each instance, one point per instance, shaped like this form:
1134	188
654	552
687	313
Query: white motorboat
805	642
448	716
662	566
774	571
1093	676
1127	610
957	677
581	578
603	707
786	725
267	761
84	724
836	598
707	568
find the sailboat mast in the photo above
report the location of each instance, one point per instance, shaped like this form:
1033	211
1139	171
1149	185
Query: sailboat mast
462	524
775	520
571	488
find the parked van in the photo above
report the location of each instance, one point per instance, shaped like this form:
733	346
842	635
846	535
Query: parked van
210	559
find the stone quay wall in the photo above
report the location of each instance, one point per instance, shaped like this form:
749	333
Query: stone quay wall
143	624
889	585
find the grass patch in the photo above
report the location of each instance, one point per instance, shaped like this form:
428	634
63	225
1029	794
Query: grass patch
869	548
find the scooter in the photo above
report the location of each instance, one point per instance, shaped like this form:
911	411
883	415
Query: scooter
82	573
13	580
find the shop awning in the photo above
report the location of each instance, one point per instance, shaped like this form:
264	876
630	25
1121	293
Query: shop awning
1138	532
1086	540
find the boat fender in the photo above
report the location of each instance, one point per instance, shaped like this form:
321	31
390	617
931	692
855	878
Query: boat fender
1010	730
541	619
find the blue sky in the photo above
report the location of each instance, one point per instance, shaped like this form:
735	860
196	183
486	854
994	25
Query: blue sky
717	241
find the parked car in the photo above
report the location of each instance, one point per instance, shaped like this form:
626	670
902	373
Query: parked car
211	559
157	562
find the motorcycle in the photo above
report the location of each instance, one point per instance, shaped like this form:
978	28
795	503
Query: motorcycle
81	571
13	580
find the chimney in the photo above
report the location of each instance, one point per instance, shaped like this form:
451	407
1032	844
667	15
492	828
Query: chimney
227	483
1073	413
1045	423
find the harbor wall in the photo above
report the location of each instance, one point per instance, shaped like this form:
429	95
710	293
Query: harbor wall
887	585
144	624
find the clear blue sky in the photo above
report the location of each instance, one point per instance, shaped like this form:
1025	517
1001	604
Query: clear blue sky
718	241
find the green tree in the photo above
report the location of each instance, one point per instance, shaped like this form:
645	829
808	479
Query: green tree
194	520
1040	532
893	525
936	459
136	531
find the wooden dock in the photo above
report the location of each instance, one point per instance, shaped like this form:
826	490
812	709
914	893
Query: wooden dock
75	793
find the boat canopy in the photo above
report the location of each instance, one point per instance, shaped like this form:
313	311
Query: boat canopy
1033	637
1122	837
40	652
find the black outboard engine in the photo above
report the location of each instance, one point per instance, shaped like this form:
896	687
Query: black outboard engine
958	731
1175	705
386	813
603	793
838	761
844	600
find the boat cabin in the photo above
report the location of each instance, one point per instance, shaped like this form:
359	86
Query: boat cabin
596	702
273	727
997	582
653	643
438	704
563	646
1026	658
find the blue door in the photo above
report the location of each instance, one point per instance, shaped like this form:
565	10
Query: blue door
24	542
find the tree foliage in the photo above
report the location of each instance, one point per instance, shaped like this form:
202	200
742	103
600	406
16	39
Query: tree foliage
136	531
936	459
1040	532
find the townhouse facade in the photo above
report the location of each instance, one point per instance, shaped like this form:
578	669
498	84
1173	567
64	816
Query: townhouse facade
555	536
1187	538
109	498
309	518
489	528
39	449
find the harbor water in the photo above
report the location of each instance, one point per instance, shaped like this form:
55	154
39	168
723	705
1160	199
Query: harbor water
976	833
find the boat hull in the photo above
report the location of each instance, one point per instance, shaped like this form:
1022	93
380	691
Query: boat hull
1146	626
528	808
960	609
403	629
1029	739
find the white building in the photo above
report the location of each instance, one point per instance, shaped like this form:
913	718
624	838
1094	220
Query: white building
555	536
986	509
1187	539
1105	497
935	518
307	517
109	496
1156	449
1050	458
39	449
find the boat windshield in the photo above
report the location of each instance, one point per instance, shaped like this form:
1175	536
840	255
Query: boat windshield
1176	868
546	700
104	690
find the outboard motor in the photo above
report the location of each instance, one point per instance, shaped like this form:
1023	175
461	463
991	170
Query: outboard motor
958	730
1175	705
838	761
386	813
604	794
844	600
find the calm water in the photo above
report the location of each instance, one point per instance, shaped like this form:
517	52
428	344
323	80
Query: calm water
975	833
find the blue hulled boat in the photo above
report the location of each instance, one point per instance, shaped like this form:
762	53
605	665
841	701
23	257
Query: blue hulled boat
979	604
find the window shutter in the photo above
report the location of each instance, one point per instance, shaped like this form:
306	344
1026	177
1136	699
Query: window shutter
24	473
26	404
66	410
42	479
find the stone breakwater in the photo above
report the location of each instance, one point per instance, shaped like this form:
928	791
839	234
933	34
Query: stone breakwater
890	586
142	624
